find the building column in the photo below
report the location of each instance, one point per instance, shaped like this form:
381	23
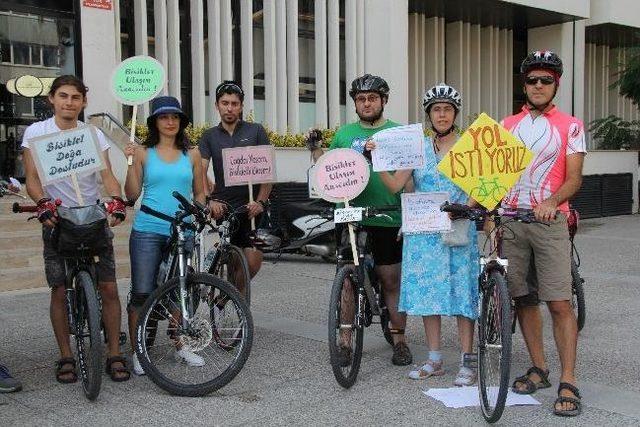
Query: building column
197	62
333	30
393	64
320	30
246	36
173	34
350	51
213	53
226	42
141	40
281	65
293	70
270	102
160	37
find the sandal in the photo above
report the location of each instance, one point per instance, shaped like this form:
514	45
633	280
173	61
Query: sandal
429	369
575	401
66	375
530	386
116	372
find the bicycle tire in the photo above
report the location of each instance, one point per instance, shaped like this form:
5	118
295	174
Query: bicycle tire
494	324
578	300
221	269
87	324
203	285
345	375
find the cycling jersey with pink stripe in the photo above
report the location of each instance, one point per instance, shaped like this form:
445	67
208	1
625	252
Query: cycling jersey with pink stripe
552	136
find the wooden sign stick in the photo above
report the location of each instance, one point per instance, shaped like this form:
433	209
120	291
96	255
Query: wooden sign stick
132	135
253	220
352	238
76	186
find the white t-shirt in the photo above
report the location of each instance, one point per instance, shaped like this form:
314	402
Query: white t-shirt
64	189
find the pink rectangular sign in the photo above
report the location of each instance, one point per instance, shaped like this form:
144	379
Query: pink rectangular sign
245	165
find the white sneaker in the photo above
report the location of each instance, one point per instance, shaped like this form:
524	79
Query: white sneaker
465	377
189	357
137	367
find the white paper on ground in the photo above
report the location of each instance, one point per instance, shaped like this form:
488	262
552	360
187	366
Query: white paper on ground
461	397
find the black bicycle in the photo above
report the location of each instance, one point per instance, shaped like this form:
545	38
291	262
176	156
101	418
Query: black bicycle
81	234
184	307
577	282
356	299
226	260
496	309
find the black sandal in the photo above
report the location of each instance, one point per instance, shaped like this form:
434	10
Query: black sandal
114	371
529	386
575	401
61	371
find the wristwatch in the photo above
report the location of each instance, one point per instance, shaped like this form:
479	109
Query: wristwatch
264	203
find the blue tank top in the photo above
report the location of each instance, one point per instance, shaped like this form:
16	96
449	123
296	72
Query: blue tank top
160	180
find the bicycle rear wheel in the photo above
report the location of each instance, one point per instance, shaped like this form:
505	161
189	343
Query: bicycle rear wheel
87	335
345	331
203	336
233	268
494	346
578	301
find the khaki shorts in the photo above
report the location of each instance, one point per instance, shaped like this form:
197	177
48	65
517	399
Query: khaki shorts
550	248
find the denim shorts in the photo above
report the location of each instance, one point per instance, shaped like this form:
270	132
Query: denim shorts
146	251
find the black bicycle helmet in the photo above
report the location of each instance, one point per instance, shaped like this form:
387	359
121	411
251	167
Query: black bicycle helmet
544	59
369	83
441	93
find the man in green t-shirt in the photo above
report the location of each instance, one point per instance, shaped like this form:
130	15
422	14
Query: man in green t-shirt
370	94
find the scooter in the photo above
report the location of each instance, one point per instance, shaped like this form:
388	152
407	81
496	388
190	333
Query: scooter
300	229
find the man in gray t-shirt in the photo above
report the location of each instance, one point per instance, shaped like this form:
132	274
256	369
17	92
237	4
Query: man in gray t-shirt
233	132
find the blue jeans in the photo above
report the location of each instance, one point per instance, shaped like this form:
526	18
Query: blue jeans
146	251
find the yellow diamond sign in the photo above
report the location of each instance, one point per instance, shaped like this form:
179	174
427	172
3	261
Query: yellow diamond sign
486	161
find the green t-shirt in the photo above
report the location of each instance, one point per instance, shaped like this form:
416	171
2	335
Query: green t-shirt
376	194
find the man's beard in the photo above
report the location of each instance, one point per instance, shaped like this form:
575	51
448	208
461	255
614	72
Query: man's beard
373	118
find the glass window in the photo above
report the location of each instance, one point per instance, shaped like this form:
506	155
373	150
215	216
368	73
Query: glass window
24	106
36	59
21	53
5	52
50	56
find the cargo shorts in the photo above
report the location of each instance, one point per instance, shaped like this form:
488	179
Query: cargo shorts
54	264
546	250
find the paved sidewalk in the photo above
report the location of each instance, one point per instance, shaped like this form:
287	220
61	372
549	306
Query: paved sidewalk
288	379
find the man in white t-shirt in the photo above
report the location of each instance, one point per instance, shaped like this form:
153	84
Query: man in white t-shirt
68	97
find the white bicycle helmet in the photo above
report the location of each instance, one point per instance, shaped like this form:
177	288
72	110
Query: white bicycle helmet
441	93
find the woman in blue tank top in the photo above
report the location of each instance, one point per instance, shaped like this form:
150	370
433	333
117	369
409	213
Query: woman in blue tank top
164	164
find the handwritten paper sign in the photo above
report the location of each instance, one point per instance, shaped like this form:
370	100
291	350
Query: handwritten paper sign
245	165
486	161
341	174
421	213
398	148
61	154
342	215
137	80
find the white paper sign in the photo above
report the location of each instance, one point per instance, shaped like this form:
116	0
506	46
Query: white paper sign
398	148
421	213
61	154
342	215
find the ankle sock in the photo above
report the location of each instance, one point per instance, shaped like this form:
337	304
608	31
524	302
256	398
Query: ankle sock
436	355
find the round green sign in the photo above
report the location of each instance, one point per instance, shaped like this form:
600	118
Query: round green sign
137	80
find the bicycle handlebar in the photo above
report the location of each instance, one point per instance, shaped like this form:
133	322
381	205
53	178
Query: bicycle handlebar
18	208
475	214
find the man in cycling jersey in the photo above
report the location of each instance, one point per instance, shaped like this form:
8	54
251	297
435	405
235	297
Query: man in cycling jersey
543	250
370	94
68	97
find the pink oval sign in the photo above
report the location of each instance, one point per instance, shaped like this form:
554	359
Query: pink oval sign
341	174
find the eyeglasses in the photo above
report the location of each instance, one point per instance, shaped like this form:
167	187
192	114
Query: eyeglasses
545	80
361	99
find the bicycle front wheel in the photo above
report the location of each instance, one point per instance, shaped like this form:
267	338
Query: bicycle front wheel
345	330
193	358
233	268
577	289
87	335
494	346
